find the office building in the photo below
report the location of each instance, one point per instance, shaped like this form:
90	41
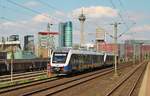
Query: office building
29	43
65	34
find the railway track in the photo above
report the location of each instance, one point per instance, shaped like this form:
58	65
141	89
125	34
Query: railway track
51	90
45	84
22	86
21	76
42	86
127	85
60	87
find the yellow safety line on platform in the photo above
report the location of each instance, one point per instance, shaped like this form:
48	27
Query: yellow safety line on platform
145	87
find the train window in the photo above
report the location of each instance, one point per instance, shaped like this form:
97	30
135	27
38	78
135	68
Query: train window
72	59
59	57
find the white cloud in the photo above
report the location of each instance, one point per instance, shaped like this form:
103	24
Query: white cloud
98	15
60	13
32	4
41	18
8	23
96	12
138	16
45	18
144	28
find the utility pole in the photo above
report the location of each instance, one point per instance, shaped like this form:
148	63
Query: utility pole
12	59
50	45
115	50
134	47
3	44
82	19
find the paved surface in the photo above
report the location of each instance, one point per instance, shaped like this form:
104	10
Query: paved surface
145	87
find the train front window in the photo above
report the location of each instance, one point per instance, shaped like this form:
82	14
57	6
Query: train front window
59	57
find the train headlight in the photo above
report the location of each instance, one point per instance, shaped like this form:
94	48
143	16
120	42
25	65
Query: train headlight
57	69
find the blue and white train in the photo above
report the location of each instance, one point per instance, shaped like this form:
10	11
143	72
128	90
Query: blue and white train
65	62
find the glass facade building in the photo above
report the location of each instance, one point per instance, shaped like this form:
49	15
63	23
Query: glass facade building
68	34
65	34
61	34
29	43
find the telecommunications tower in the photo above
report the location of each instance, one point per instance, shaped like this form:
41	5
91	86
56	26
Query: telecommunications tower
82	18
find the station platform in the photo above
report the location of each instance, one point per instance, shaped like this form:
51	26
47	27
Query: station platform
145	87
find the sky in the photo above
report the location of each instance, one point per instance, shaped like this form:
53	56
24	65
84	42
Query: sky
28	17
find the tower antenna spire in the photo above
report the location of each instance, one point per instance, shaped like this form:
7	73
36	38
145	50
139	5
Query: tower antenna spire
82	10
82	19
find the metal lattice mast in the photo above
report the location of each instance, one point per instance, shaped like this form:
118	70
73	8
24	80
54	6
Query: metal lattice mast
115	49
51	45
51	37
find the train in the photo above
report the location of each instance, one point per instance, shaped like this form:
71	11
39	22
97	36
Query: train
21	65
71	61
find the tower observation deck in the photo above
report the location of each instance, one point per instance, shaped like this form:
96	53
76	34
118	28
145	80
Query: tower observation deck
82	19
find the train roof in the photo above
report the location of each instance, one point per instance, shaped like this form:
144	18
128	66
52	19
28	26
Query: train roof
73	51
85	52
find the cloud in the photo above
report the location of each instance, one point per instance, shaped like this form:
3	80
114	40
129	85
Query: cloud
60	13
96	16
32	4
138	16
45	17
144	28
41	18
126	37
8	23
96	12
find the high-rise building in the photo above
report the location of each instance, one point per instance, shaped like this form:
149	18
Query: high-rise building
68	34
65	34
61	34
29	43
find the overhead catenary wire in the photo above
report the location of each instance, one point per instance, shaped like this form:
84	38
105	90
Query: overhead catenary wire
123	7
30	9
48	5
121	4
133	22
52	7
16	11
7	19
121	17
126	30
16	23
119	14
